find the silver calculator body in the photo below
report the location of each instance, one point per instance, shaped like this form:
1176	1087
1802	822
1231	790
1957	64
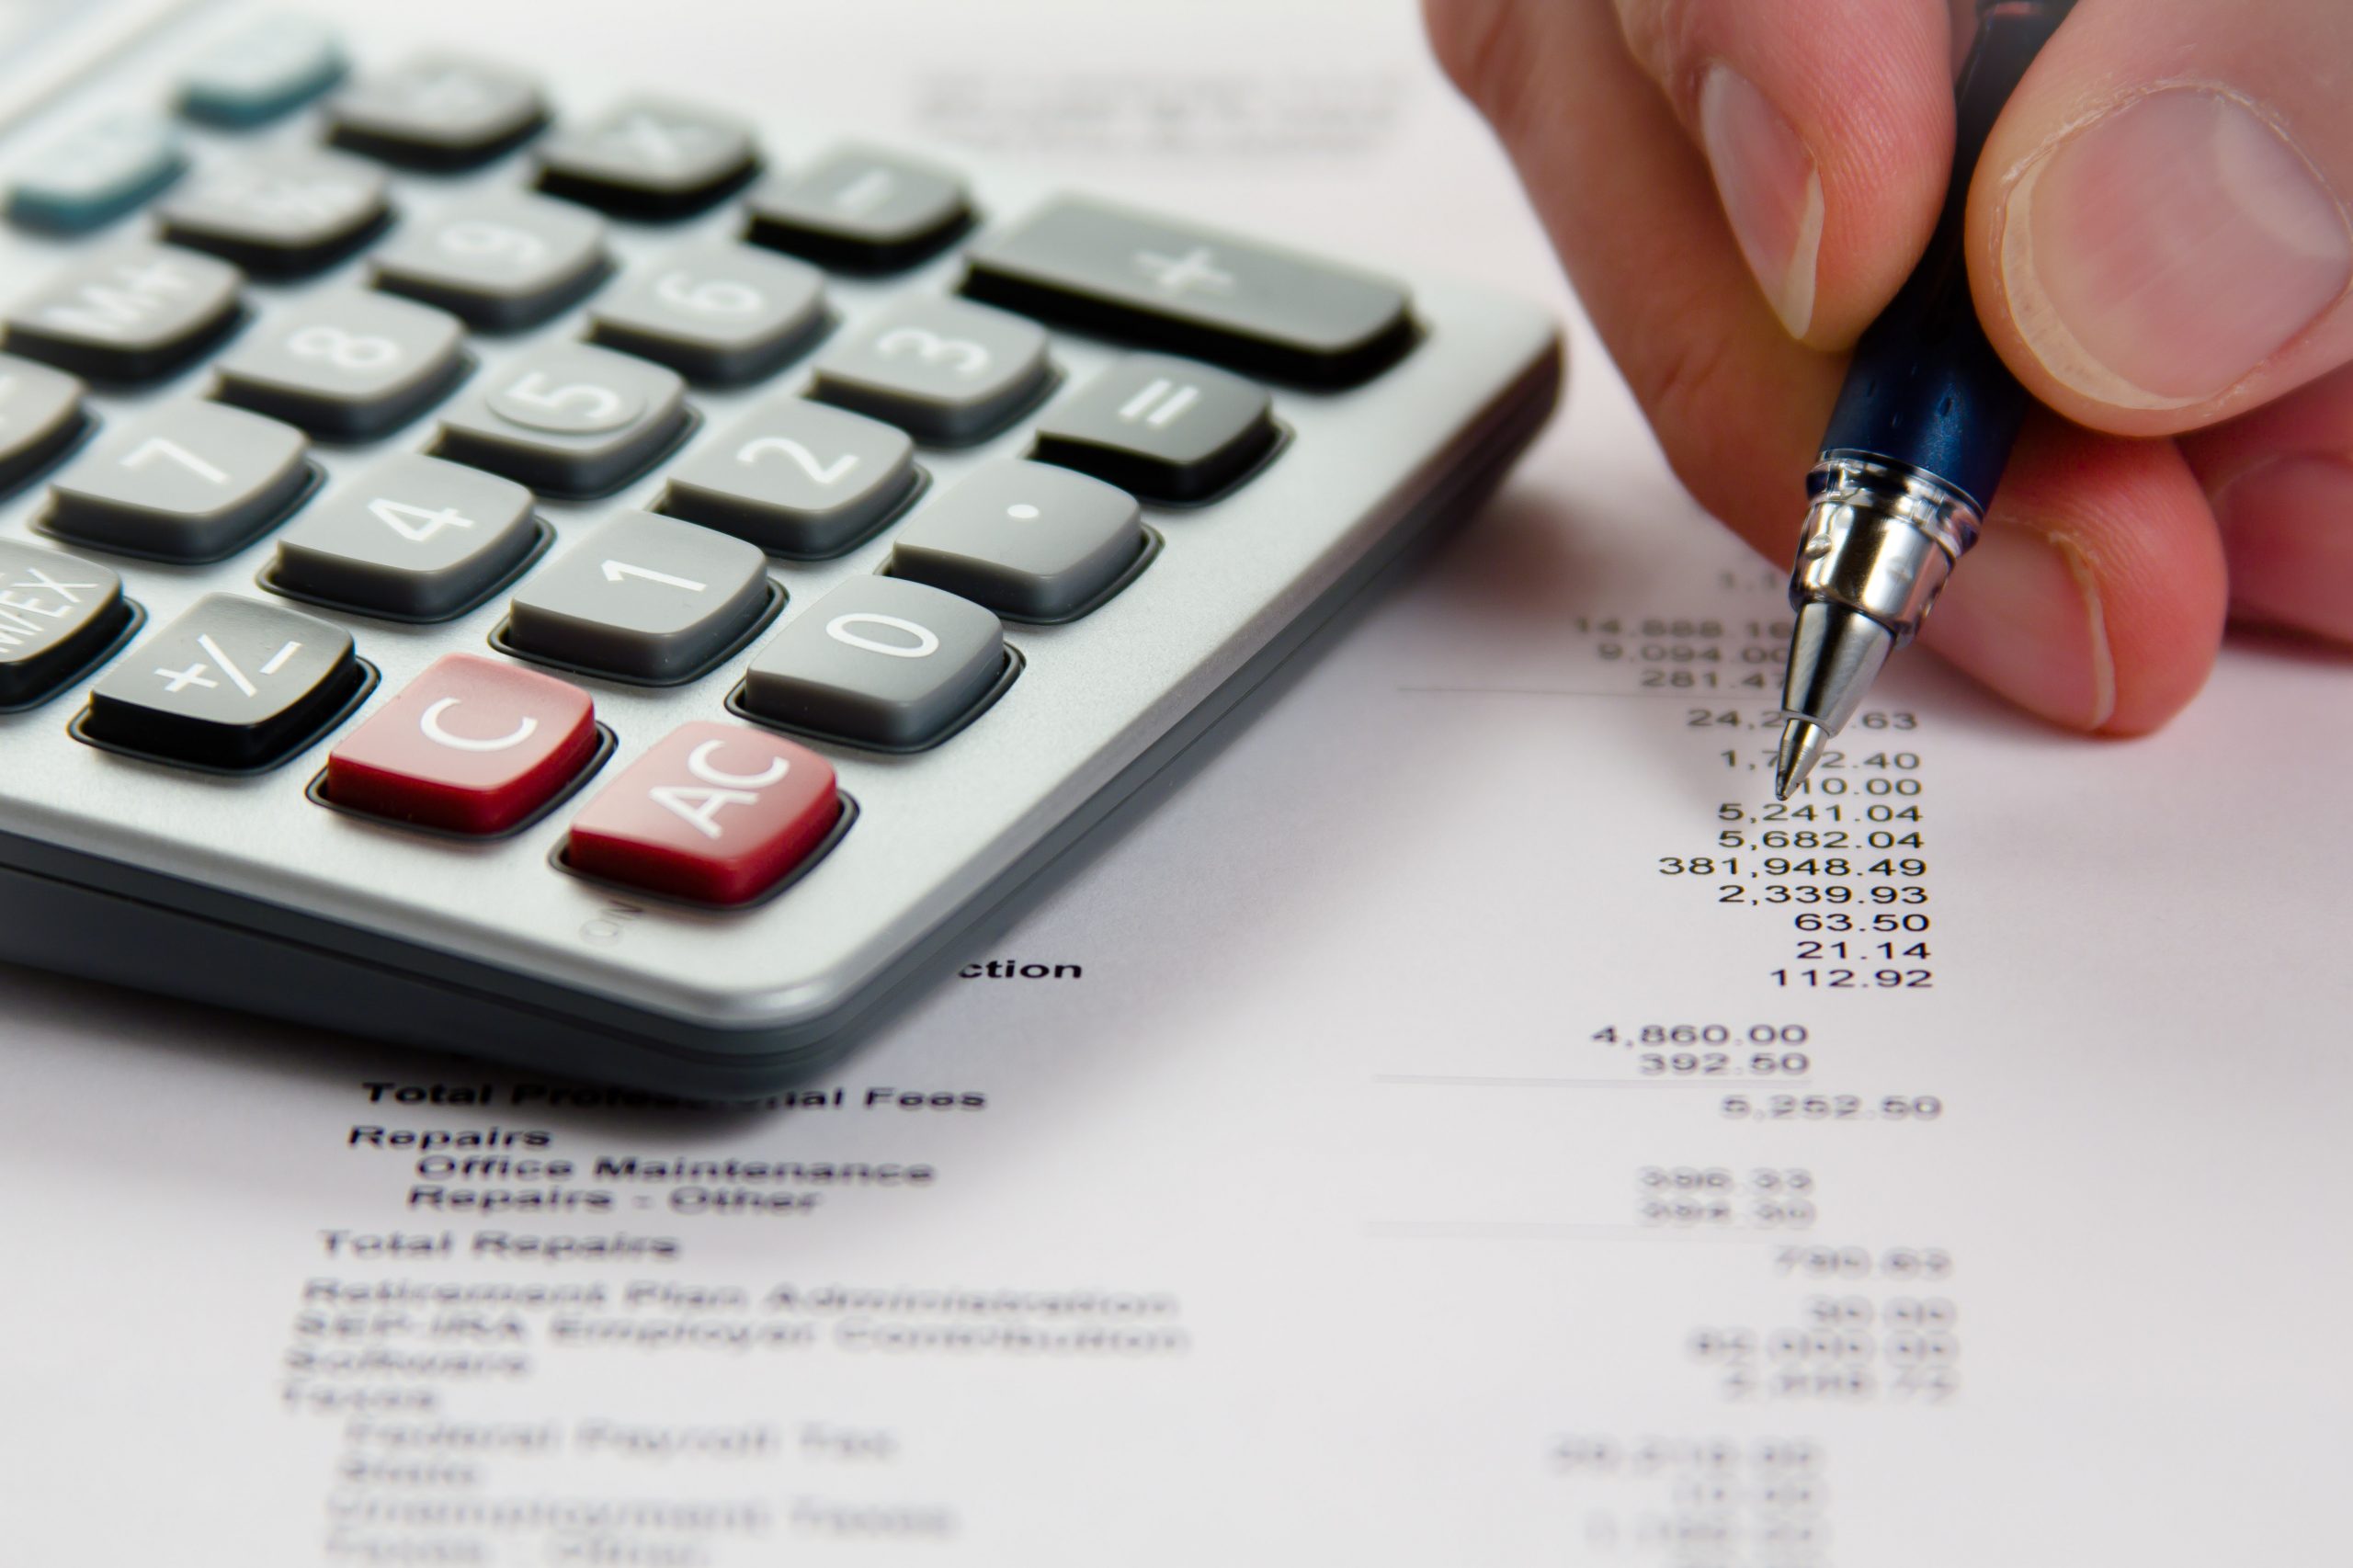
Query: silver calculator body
246	890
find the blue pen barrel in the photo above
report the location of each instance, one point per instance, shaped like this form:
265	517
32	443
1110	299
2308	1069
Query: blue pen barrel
1926	388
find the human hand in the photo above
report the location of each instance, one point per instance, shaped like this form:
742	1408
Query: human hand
2157	244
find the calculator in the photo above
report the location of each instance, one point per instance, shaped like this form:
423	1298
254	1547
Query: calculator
624	587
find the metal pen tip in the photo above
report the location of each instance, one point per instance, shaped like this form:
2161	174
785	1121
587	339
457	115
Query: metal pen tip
1801	744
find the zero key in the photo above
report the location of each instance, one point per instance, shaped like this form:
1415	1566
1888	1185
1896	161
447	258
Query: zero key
715	813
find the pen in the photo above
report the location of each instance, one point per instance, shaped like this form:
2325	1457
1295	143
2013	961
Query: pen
1922	430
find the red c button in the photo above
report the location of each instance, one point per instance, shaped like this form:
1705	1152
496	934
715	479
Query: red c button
470	745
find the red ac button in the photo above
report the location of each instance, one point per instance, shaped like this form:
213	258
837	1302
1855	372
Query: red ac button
715	813
470	745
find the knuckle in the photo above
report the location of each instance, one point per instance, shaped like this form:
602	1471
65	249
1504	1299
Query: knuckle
1666	38
1482	46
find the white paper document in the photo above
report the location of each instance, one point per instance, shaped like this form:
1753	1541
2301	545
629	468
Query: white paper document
1466	1124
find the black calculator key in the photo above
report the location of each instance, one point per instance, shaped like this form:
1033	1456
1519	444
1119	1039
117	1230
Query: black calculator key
643	597
262	72
345	364
437	111
501	263
413	537
57	613
1167	429
233	684
862	210
283	214
944	370
184	482
132	313
41	415
796	478
716	311
1023	539
649	158
879	661
1196	291
97	173
569	419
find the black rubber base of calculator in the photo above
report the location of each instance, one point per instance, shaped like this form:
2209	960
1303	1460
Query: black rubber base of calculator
63	910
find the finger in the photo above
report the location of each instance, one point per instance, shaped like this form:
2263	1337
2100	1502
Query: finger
2157	229
2095	598
2281	485
1827	125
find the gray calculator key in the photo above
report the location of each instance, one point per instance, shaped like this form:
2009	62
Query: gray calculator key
413	537
1196	291
861	210
41	415
502	263
233	684
134	312
57	613
568	419
348	363
262	72
649	157
943	370
879	661
1167	429
1025	539
283	214
715	312
437	111
96	175
796	478
642	597
185	482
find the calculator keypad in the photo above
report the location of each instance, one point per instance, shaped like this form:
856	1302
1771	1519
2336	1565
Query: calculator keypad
283	214
502	263
97	173
642	597
648	158
879	661
437	111
719	313
1164	428
184	482
796	478
861	210
413	537
716	813
57	612
943	370
134	312
569	419
41	414
1196	291
1024	539
471	745
233	684
348	364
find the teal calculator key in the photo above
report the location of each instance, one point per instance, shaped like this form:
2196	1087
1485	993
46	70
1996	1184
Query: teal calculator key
96	175
262	72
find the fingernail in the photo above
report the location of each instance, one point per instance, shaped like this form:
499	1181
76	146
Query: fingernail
2288	532
2156	258
1770	189
2022	614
